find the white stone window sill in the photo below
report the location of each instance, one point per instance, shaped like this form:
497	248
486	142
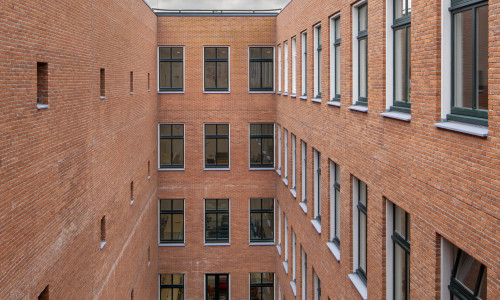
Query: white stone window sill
285	94
255	92
303	97
477	130
317	225
293	95
217	244
317	100
149	177
217	92
102	97
294	193
285	266
179	92
303	205
103	243
161	170
294	288
131	202
334	103
261	244
359	108
285	180
216	169
279	92
334	249
359	285
172	245
278	248
261	169
397	115
278	171
42	106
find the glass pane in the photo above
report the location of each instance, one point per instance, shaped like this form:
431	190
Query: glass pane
210	204
223	287
223	151
255	204
210	129
210	53
267	225
267	53
165	227
408	61
178	278
178	151
178	204
165	152
267	75
482	57
222	52
337	174
362	68
254	293
210	149
255	226
255	53
399	7
267	293
399	272
223	223
255	75
210	74
178	294
400	221
482	286
165	204
468	270
362	241
255	154
165	279
267	151
223	129
399	64
211	287
267	129
165	130
362	192
255	278
337	70
165	79
268	203
363	16
165	52
177	53
211	226
177	77
255	129
178	227
166	294
222	74
337	213
223	204
267	277
463	58
337	28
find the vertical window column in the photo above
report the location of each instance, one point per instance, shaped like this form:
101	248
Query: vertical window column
317	191
279	68
286	68
361	78
334	209
335	59
317	61
304	63
294	66
294	167
42	85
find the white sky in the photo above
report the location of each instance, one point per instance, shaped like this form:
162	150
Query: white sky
217	4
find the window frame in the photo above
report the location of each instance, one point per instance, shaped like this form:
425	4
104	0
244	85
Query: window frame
294	162
361	209
217	90
404	243
260	285
217	211
171	212
317	185
261	211
218	280
261	136
457	288
335	44
294	65
303	40
171	90
317	60
334	203
359	36
286	156
285	49
260	60
172	286
280	61
217	137
304	172
174	167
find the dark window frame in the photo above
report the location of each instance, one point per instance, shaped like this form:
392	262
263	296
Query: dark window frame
468	115
171	60
404	243
172	286
216	60
261	60
216	137
172	212
219	213
336	187
362	35
261	211
172	137
317	184
319	48
261	136
217	281
261	285
303	37
362	209
458	289
336	46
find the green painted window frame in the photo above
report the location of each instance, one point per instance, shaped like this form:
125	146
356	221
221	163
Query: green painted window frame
171	60
362	35
261	60
336	46
172	286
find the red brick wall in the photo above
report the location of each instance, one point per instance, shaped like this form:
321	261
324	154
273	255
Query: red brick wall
63	168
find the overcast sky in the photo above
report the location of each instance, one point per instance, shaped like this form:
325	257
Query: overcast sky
217	4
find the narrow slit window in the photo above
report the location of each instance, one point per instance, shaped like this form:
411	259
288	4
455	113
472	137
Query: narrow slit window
44	295
149	81
42	83
103	83
131	193
131	82
103	231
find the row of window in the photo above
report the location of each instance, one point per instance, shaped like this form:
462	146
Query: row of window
468	67
398	221
216	142
216	69
217	286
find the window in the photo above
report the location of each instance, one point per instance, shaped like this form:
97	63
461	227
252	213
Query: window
469	62
294	167
216	220
44	295
132	295
102	83
304	275
261	69
286	240
360	54
217	286
304	63
131	193
103	231
400	252
335	203
171	221
149	169
286	157
304	172
261	145
261	286
279	227
171	286
317	287
335	58
294	66
279	68
317	186
149	81
286	67
216	145
402	51
317	61
216	69
261	220
294	257
42	83
171	146
279	148
131	82
360	230
171	70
